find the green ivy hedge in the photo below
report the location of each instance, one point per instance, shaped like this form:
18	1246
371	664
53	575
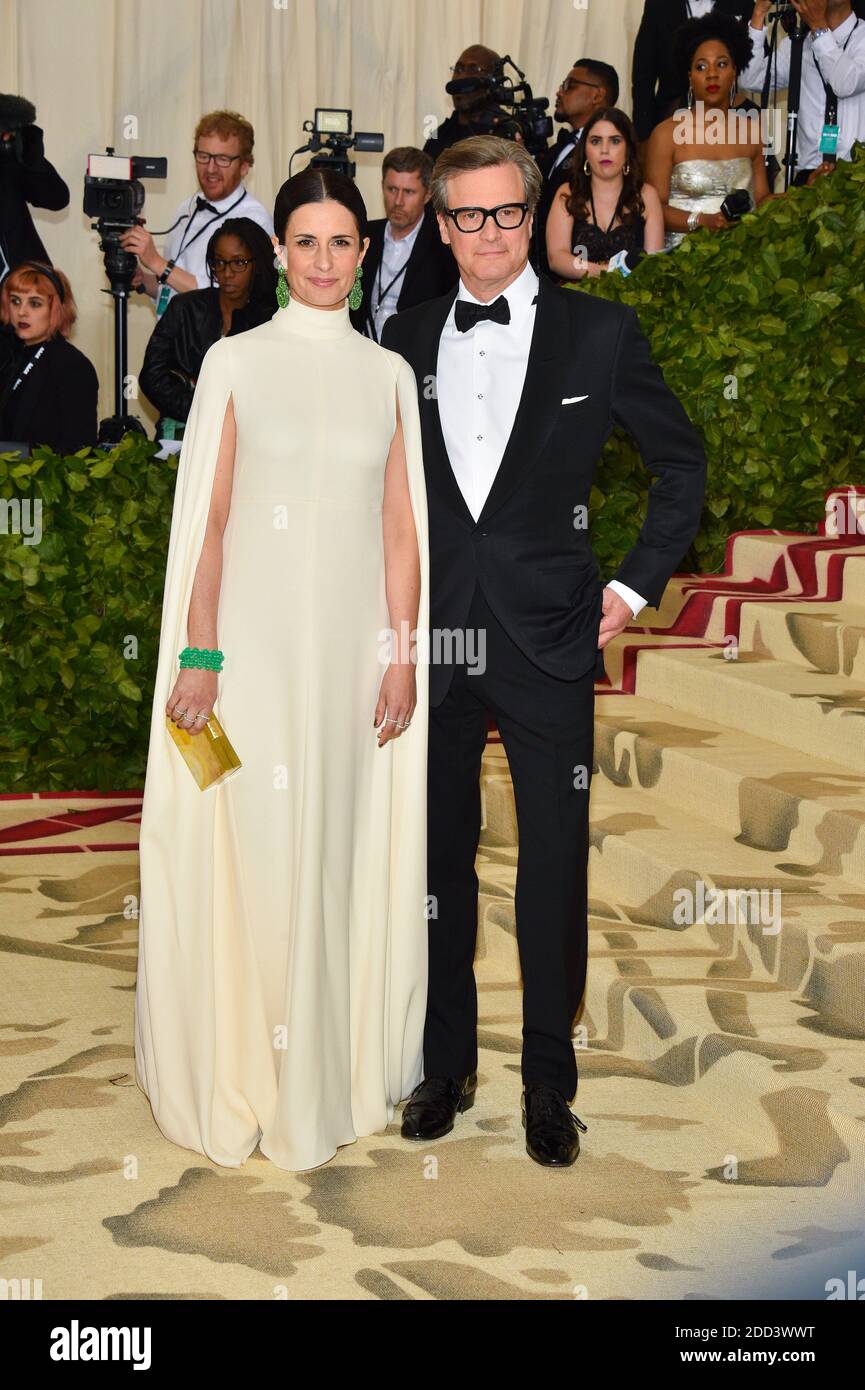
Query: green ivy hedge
777	303
80	616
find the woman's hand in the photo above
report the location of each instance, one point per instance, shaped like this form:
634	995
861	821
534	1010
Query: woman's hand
714	221
397	699
194	691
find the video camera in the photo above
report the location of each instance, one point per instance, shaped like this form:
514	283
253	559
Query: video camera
331	131
524	114
114	196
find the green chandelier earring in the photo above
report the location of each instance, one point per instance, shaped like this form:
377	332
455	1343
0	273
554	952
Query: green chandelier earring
356	292
281	288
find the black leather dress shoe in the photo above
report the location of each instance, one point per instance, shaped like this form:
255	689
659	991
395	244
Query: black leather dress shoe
551	1127
432	1105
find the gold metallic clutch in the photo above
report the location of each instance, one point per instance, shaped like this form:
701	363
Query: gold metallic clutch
208	755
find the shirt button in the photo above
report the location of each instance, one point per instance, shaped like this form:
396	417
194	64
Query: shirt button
480	436
482	353
480	395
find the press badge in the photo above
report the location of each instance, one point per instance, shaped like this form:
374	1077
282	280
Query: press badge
829	139
163	299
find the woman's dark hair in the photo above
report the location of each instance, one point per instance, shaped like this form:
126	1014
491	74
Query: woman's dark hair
631	207
722	27
259	245
315	186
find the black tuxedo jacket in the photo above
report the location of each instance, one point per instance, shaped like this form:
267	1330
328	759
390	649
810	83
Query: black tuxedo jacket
534	564
656	85
431	269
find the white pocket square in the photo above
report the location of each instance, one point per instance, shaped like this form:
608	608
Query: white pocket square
569	400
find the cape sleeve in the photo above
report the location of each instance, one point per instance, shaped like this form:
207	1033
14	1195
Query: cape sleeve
408	937
166	772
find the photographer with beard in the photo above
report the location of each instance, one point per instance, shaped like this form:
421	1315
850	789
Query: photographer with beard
26	177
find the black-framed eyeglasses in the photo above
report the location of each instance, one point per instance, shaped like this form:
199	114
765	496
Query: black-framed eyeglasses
236	263
508	216
571	82
223	160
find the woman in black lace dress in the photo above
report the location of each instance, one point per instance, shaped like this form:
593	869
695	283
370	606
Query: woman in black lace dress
605	208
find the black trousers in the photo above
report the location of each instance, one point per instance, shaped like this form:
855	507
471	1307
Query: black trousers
546	725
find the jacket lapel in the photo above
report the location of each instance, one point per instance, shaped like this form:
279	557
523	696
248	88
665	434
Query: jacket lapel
439	471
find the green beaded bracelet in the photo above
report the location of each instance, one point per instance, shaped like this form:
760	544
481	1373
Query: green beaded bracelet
202	658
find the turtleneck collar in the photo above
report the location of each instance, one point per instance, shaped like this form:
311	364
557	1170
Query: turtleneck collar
309	322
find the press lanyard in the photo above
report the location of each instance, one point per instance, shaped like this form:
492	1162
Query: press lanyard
27	370
831	129
184	244
164	297
383	293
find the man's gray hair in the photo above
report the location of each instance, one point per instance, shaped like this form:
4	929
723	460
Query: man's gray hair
484	152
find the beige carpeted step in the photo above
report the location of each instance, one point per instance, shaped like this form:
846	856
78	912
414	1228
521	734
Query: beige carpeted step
813	712
659	866
807	812
827	637
671	1012
755	557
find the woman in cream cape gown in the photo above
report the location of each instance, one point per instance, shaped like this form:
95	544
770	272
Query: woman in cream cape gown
283	929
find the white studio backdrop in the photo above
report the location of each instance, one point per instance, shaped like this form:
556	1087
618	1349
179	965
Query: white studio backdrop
95	69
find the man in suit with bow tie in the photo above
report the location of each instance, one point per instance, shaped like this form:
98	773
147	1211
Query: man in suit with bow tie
520	383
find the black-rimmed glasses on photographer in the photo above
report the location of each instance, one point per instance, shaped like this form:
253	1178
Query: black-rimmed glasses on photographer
223	160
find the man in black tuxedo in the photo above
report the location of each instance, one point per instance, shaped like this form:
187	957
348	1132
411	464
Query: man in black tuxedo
656	83
520	383
589	85
406	262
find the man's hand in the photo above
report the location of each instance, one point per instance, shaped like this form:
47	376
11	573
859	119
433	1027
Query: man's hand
761	9
825	168
616	616
813	12
140	243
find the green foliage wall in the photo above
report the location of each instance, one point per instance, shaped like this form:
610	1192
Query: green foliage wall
777	302
80	615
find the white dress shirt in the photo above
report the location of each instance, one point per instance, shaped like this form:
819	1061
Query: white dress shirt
193	255
391	273
479	382
697	8
844	70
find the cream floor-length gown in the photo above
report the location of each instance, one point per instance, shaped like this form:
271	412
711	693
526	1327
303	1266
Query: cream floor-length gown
282	966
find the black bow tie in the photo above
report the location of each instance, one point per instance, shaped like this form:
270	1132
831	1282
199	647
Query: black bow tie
202	205
467	314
